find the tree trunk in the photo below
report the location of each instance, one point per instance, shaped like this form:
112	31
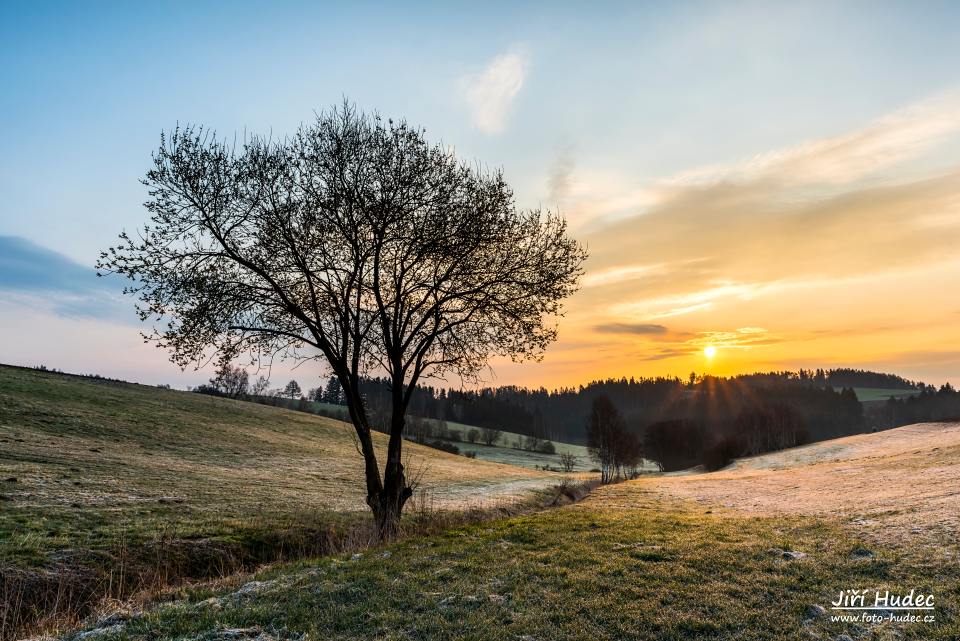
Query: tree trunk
387	508
387	504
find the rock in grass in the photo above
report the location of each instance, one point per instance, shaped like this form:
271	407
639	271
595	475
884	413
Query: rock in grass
861	553
815	611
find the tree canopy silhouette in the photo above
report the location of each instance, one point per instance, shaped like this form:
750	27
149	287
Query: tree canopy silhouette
356	242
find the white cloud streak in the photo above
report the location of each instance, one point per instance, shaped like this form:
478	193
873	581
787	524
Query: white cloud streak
491	92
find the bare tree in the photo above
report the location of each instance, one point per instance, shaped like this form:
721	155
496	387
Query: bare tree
490	435
354	242
568	461
259	388
618	451
231	381
603	429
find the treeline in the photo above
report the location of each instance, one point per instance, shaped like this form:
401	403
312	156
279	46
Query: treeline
930	405
845	377
678	423
560	415
704	420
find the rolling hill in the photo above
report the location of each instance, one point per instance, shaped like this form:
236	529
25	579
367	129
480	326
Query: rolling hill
755	552
87	459
108	487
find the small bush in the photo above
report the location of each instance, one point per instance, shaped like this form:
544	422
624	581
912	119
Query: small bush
443	445
721	454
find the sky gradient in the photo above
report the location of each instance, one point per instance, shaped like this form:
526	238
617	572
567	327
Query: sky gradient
780	181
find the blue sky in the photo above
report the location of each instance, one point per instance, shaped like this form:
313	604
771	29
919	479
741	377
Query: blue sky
587	106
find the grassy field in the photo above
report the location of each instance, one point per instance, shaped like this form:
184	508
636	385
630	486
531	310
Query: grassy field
100	480
95	473
730	556
648	569
505	451
85	462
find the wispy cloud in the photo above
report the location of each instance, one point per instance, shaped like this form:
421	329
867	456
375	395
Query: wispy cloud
34	276
561	175
491	92
851	229
871	156
631	328
789	219
839	160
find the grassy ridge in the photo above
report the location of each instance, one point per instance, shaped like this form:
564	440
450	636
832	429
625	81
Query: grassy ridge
107	487
651	571
90	461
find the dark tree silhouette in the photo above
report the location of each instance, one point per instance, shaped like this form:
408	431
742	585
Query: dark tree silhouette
355	242
490	435
292	390
231	381
611	445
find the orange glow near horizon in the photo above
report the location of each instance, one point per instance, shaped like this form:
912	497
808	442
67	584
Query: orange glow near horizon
824	254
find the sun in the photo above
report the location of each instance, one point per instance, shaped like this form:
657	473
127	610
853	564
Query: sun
709	351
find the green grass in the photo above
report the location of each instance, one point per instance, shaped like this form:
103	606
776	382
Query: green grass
95	463
506	450
110	487
654	571
524	458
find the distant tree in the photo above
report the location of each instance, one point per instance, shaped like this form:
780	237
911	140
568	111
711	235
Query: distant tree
531	443
419	429
604	428
230	381
292	390
259	388
675	444
490	435
568	461
629	454
616	449
473	434
355	242
333	393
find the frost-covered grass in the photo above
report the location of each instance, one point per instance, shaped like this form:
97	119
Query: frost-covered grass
645	569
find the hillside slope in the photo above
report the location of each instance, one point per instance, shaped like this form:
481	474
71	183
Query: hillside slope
900	484
87	461
659	558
